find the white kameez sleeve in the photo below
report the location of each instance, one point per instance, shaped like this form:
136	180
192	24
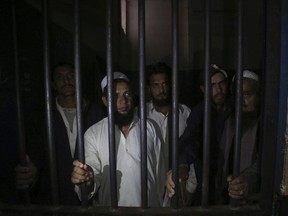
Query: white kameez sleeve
92	159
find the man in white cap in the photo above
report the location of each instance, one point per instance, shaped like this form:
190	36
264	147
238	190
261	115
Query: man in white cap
247	183
95	173
191	141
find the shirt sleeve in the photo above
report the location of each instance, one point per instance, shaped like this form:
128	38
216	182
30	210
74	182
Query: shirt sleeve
93	160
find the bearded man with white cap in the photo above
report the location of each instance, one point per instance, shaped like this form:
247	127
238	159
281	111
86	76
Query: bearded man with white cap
95	173
247	183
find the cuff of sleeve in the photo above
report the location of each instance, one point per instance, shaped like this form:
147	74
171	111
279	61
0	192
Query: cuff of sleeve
191	183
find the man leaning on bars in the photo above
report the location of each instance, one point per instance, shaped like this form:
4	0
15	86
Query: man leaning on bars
246	185
95	173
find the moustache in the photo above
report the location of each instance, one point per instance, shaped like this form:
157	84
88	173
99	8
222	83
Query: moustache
69	85
162	94
220	95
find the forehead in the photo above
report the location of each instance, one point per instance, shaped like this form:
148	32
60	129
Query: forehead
217	77
160	77
64	69
247	85
121	86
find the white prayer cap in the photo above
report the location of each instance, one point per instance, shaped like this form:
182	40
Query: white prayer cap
249	75
116	75
216	69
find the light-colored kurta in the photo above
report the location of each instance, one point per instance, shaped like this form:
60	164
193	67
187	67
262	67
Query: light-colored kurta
128	163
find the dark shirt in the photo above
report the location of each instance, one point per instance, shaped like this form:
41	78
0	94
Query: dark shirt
92	113
191	143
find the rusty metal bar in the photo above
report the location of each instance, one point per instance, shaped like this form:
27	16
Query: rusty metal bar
112	154
78	87
207	110
143	126
175	105
49	113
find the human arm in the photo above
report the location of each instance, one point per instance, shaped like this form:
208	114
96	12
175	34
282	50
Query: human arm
185	175
247	183
82	173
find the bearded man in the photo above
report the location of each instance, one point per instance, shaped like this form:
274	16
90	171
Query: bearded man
95	173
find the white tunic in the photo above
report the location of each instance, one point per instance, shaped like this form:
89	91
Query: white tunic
128	163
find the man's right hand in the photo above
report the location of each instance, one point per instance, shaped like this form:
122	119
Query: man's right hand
81	173
170	185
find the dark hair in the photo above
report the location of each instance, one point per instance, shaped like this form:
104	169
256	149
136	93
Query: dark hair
214	69
157	68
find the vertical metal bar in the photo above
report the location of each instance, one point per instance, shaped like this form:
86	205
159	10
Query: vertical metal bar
280	177
270	101
143	126
239	88
49	113
21	131
175	105
78	86
239	98
207	110
111	125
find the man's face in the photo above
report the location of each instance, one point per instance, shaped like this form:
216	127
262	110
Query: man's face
159	88
250	97
218	89
64	81
123	98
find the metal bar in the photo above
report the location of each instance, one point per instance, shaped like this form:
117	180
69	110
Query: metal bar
21	132
239	87
49	113
283	103
78	86
111	124
175	105
239	98
245	210
269	123
281	166
143	126
207	110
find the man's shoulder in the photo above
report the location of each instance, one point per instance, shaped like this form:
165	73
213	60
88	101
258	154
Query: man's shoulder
98	125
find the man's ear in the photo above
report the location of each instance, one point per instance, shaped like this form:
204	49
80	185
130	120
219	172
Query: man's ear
104	100
202	88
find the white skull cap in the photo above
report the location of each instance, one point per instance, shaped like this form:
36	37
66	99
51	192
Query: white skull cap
249	75
116	75
216	68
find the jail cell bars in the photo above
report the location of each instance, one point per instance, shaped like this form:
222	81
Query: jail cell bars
142	77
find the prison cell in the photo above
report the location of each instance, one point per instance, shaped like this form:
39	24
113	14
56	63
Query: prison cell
270	109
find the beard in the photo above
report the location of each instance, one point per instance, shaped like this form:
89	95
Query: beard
124	119
161	102
249	119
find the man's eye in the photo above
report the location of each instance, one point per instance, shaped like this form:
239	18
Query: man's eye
127	94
